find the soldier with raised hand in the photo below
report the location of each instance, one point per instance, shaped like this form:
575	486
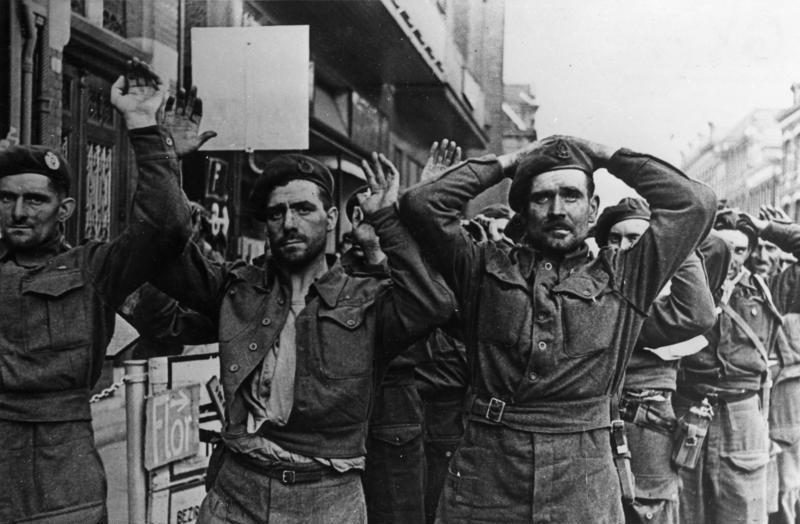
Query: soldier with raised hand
676	320
548	329
302	344
57	307
773	227
731	376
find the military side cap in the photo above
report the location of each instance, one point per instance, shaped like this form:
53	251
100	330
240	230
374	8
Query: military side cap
282	170
625	209
557	153
42	160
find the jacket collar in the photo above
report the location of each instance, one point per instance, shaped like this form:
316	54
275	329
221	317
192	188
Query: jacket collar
526	257
327	287
37	256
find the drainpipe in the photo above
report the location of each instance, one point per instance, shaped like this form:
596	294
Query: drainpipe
29	31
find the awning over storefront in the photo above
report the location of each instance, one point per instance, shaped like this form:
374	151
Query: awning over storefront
403	43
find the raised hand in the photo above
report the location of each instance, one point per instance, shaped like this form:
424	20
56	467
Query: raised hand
442	156
182	116
11	139
750	224
384	184
138	95
774	214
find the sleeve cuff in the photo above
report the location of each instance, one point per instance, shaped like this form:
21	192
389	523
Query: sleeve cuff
152	143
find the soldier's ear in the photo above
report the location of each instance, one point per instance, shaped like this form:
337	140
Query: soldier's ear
65	209
332	218
594	205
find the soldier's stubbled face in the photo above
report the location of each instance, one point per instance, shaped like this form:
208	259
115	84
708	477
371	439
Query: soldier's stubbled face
738	244
298	223
31	210
560	210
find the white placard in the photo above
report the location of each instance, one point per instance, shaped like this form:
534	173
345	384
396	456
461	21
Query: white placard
254	83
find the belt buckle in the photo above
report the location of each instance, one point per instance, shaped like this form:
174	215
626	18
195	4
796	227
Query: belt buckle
287	476
494	411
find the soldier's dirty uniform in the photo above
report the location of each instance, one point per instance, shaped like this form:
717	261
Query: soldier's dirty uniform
394	473
349	329
548	341
57	309
784	413
729	482
646	404
442	376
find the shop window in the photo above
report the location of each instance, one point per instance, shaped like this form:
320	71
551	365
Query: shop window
78	6
99	162
114	16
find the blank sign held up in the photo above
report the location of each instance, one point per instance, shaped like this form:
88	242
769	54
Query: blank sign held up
254	83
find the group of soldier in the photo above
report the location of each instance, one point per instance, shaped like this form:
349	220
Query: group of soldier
443	369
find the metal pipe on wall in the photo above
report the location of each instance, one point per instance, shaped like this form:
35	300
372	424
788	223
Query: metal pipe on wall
135	391
28	23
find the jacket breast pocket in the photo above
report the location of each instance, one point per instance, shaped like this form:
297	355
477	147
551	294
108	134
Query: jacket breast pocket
505	309
345	342
589	312
56	311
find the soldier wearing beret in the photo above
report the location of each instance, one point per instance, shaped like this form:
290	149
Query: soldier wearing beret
394	473
733	373
775	228
302	344
682	313
57	309
548	329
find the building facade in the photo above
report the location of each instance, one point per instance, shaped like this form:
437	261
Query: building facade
789	186
744	166
388	75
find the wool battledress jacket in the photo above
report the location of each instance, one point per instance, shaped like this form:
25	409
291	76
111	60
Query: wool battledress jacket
350	329
57	311
548	341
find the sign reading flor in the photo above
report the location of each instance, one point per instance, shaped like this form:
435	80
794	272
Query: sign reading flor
172	426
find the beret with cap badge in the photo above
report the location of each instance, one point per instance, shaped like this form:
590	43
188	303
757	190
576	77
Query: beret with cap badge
626	209
42	160
556	153
283	169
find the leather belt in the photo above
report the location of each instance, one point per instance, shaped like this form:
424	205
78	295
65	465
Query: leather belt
557	416
285	473
716	396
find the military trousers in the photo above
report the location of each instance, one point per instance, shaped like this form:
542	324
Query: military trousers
444	427
394	477
787	464
650	440
729	484
50	472
503	475
242	495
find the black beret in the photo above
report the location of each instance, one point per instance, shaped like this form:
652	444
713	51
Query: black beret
352	202
557	153
283	169
625	209
728	218
43	160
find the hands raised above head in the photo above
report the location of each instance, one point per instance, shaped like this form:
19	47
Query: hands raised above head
442	155
766	214
384	183
182	116
774	214
138	95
